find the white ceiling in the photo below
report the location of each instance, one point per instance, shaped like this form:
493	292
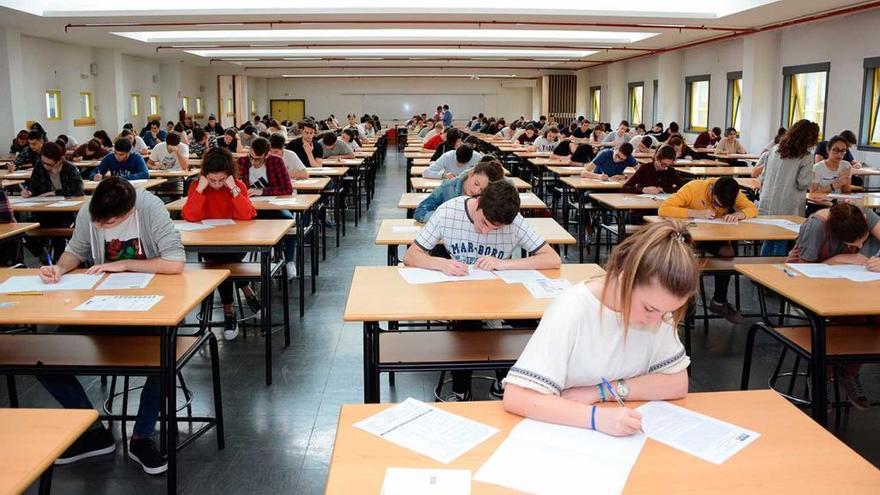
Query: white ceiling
457	37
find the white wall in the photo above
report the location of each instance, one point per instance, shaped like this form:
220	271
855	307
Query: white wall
138	75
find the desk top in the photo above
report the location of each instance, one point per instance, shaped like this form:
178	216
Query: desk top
264	233
581	183
8	230
625	201
566	170
379	293
303	202
740	231
418	154
532	154
527	201
312	184
716	171
794	454
345	162
734	156
18	174
547	228
748	183
423	184
33	439
28	205
701	163
824	296
90	185
170	174
417	170
327	171
183	293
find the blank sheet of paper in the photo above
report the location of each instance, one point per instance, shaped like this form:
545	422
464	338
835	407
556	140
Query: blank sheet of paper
32	283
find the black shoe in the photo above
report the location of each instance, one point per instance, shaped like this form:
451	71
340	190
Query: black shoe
458	397
497	389
230	326
145	452
92	443
726	310
253	303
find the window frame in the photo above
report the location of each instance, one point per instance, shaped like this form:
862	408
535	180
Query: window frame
688	89
655	101
792	70
630	93
154	99
184	104
134	104
89	109
595	109
56	94
729	119
870	84
199	107
230	107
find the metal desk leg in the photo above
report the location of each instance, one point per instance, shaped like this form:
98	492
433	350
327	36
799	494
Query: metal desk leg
266	300
169	336
581	225
817	363
46	481
285	298
300	262
393	258
371	362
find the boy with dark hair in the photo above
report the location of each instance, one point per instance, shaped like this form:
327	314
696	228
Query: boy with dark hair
154	134
657	177
483	232
295	167
170	155
122	229
611	163
31	154
334	146
121	163
450	140
470	183
309	151
713	199
708	139
452	163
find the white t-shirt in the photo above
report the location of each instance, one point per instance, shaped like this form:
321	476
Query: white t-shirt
122	241
824	176
168	160
544	144
452	224
139	145
575	347
291	161
257	177
637	140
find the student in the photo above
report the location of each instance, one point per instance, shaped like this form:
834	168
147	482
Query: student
657	177
31	154
507	131
219	194
708	138
644	144
306	148
682	150
470	183
528	136
447	116
121	230
213	126
566	131
429	125
438	114
706	199
580	154
787	175
180	131
821	152
67	143
170	155
438	129
294	165
154	135
453	163
483	232
332	146
432	142
121	163
451	141
598	135
36	126
201	142
102	136
92	150
230	141
19	144
137	143
350	137
773	142
670	132
657	131
276	128
583	130
729	144
621	328
622	135
247	136
610	164
833	174
548	141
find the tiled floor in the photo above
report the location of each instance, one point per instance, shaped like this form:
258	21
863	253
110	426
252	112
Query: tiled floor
279	439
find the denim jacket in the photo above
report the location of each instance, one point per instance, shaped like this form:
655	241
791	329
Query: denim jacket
449	189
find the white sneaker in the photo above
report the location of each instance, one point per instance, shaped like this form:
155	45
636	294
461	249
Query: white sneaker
230	327
291	270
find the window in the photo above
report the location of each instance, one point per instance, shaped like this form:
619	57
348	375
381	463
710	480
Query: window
184	103
253	106
636	97
229	107
198	105
135	104
869	135
53	104
154	105
804	91
595	103
655	103
696	103
734	100
85	105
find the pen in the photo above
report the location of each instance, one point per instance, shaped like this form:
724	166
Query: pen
616	397
27	293
788	272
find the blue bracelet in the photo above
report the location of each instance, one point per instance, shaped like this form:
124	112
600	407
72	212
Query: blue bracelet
601	392
593	419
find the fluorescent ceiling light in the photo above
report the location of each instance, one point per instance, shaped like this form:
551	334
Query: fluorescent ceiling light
388	35
504	76
393	52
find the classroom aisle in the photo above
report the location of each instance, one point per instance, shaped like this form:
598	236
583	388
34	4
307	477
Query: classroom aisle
279	439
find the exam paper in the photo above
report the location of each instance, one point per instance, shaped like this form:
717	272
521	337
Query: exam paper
519	276
856	273
190	227
778	222
119	303
406	481
284	202
305	182
32	283
427	430
24	204
258	199
697	434
418	276
119	281
399	229
545	458
710	220
137	182
218	221
548	288
62	204
844	196
35	199
656	197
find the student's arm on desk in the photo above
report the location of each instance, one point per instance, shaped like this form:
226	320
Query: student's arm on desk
417	257
52	274
154	265
545	258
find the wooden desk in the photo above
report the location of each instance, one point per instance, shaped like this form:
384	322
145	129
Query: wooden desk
740	231
11	231
327	171
303	203
311	185
734	156
174	174
547	228
32	441
748	183
566	171
89	185
716	171
29	205
532	154
865	171
18	174
581	187
410	201
700	163
381	294
182	294
417	170
793	454
345	162
423	184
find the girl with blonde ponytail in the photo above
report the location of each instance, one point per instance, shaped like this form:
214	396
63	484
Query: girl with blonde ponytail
622	327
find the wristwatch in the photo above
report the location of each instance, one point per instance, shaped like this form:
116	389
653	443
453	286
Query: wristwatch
235	191
622	389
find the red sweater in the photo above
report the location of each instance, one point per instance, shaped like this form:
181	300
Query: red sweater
217	203
433	142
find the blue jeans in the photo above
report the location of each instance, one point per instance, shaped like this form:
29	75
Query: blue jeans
774	248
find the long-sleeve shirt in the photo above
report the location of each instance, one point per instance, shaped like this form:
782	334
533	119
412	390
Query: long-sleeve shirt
647	175
69	177
730	146
25	156
448	163
276	175
218	203
449	189
784	183
133	168
697	195
704	140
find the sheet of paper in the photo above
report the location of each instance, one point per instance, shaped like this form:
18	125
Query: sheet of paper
845	196
407	481
260	199
305	182
777	222
62	204
119	303
285	202
32	283
814	270
856	273
697	434
519	276
190	227
22	205
35	199
709	220
418	276
218	221
427	430
547	288
138	182
400	229
118	281
656	197
544	458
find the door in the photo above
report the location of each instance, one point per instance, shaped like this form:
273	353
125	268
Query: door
293	110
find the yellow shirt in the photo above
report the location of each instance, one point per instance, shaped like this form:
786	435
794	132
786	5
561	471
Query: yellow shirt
697	195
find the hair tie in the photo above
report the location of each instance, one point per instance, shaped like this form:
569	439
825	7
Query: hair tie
677	236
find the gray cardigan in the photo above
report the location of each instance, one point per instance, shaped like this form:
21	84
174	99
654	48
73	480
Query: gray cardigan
784	184
158	237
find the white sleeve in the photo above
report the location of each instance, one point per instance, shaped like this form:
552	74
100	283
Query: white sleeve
432	233
293	162
668	354
526	237
154	154
437	169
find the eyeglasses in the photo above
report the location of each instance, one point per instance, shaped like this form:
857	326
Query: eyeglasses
838	150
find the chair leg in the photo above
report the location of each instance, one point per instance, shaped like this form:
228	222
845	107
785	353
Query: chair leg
705	305
187	394
439	388
12	390
779	363
391	379
123	428
218	400
794	374
747	358
110	399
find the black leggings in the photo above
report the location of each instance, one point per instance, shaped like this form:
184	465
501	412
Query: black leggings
225	288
